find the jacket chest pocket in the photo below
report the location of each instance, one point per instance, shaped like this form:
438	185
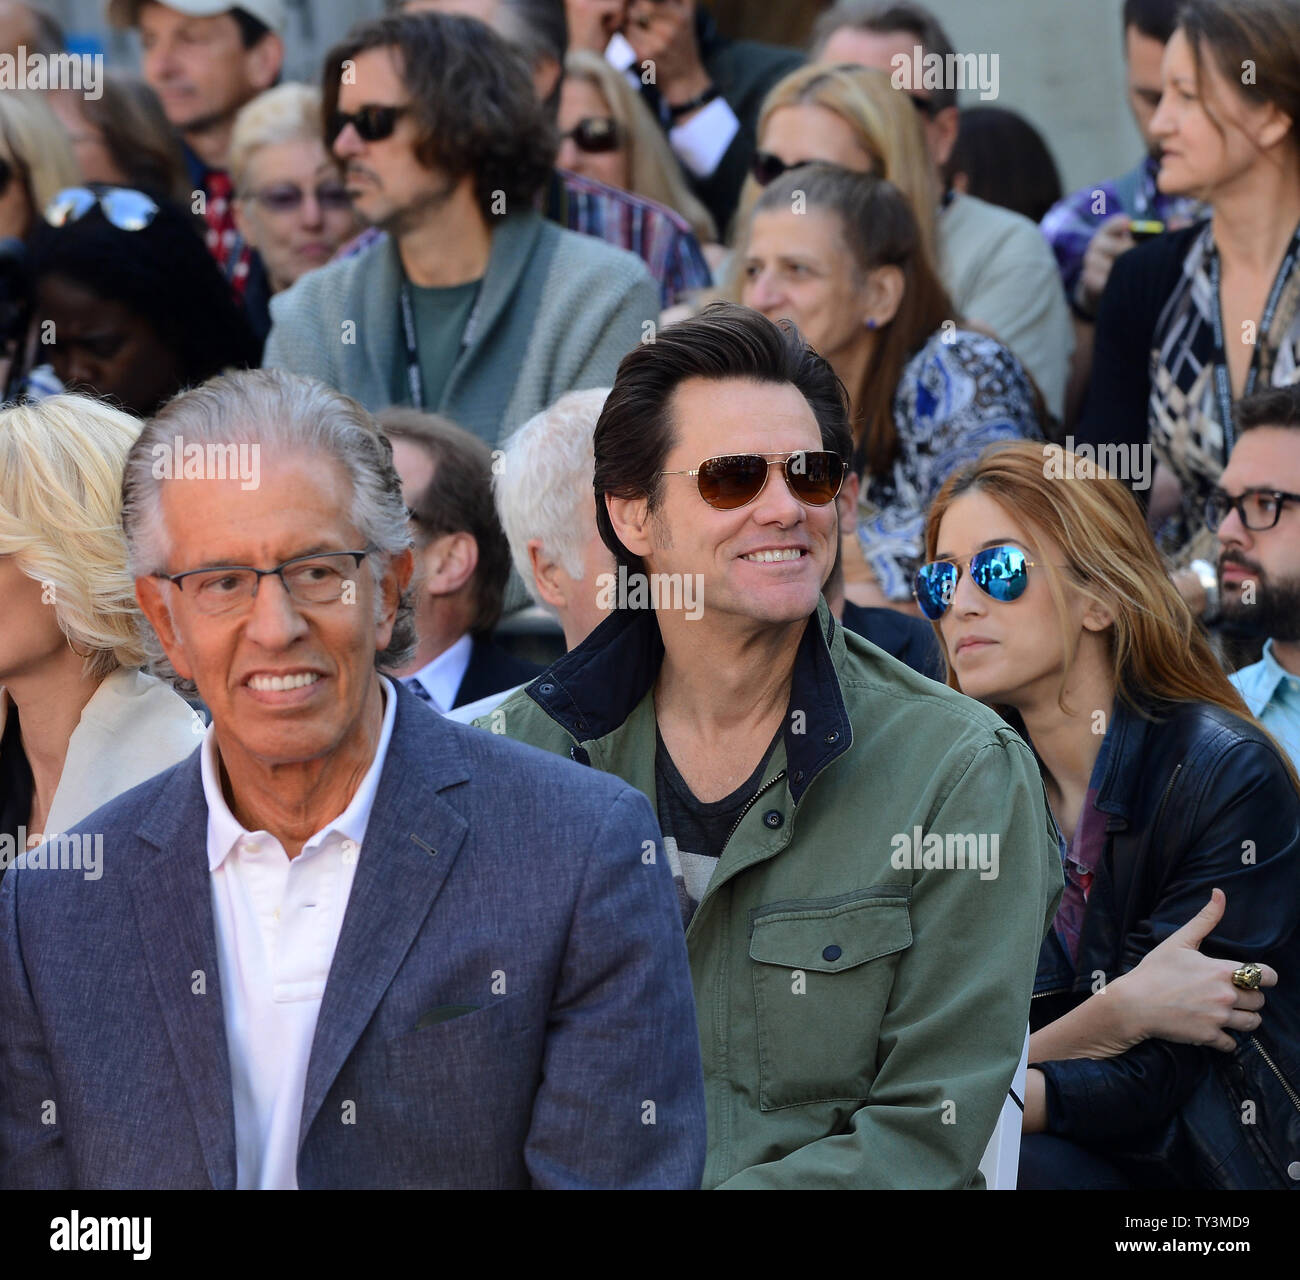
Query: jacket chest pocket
823	970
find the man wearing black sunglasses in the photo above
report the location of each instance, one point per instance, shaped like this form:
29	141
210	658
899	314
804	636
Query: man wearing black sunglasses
473	305
1255	512
852	990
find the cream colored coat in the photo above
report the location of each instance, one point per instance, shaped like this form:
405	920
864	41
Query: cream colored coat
134	727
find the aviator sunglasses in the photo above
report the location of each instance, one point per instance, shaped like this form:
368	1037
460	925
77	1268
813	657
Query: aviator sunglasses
124	208
735	479
999	572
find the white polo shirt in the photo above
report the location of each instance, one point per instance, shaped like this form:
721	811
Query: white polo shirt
277	925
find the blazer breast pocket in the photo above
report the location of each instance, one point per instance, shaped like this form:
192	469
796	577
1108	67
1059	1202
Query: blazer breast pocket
823	971
455	1039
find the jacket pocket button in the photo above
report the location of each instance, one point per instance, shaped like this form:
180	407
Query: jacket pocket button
774	818
832	953
833	737
546	688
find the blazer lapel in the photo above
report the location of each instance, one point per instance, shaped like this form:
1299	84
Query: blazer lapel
411	842
173	903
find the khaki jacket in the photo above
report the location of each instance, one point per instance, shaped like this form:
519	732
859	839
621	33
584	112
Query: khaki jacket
864	954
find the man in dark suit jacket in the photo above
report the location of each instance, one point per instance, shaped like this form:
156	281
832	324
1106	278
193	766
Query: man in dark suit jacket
346	943
462	562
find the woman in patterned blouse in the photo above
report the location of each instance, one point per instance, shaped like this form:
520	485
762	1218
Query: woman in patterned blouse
1198	318
839	254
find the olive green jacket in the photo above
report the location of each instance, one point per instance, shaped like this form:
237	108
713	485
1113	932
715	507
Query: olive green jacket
862	997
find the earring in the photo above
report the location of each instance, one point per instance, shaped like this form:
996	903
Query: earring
871	322
74	649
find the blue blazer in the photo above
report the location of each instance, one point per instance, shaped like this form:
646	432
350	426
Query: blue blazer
509	1005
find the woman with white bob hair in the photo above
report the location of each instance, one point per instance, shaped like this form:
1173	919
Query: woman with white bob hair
80	722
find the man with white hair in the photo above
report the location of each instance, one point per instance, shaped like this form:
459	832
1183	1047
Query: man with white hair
545	500
319	956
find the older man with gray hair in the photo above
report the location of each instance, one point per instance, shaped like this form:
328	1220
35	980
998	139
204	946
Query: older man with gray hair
547	506
316	956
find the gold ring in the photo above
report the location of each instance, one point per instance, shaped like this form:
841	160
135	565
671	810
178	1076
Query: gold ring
1247	977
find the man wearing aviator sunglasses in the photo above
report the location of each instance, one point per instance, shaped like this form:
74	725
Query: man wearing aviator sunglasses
843	990
1255	512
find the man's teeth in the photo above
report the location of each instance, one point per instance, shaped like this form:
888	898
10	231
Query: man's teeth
770	557
278	684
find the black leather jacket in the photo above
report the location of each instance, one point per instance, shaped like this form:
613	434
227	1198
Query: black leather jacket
1195	799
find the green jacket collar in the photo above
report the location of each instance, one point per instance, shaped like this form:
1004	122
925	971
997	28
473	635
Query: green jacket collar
593	690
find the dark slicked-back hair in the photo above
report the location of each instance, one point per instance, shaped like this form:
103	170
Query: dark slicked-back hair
1276	407
472	97
457	500
635	432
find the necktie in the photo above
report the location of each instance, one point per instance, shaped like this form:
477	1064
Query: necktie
414	685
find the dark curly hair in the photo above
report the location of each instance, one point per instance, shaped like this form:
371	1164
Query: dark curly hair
473	100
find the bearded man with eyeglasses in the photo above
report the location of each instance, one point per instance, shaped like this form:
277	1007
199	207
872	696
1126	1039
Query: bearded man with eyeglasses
346	942
1255	513
861	1013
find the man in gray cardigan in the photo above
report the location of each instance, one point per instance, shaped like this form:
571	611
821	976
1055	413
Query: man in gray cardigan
473	305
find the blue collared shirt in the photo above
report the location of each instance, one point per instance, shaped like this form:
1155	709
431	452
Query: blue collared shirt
1273	695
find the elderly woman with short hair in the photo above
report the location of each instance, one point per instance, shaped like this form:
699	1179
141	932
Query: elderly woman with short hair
290	203
80	722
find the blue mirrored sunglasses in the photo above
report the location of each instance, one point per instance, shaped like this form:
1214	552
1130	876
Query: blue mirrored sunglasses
1000	572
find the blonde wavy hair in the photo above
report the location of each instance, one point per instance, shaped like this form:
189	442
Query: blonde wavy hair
286	113
32	137
61	465
652	168
886	127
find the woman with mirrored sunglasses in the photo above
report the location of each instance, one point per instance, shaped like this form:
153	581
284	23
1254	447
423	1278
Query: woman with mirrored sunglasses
840	254
1149	1028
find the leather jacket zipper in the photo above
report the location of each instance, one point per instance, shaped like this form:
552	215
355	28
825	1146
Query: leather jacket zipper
1169	786
1055	991
1281	1079
771	782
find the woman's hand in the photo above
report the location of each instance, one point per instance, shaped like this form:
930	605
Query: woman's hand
1177	994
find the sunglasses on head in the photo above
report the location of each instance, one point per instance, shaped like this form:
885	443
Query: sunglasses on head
999	572
373	123
126	209
285	197
735	479
595	134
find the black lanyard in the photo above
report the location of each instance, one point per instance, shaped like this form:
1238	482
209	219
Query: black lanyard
414	381
1222	380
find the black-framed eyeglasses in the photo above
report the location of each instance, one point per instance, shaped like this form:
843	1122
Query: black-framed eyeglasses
595	135
124	207
314	579
1257	509
373	122
287	197
767	167
735	479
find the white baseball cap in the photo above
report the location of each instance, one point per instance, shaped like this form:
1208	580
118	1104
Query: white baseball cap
270	13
